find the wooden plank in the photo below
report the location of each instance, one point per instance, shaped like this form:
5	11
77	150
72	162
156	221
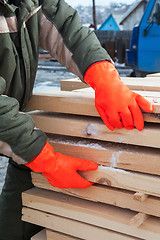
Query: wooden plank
64	102
40	236
94	128
75	103
147	94
153	75
138	219
109	195
143	84
52	235
125	180
71	227
140	196
146	160
95	215
72	84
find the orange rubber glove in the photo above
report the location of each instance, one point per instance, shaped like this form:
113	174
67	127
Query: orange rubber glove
61	170
117	105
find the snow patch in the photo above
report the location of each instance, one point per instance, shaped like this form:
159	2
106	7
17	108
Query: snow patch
91	129
114	169
121	139
79	143
115	158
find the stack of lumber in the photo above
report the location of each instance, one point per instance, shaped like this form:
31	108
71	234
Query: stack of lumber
124	201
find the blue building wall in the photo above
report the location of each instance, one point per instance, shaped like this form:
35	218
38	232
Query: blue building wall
109	25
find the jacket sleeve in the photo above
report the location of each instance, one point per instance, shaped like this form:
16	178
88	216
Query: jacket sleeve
70	43
18	137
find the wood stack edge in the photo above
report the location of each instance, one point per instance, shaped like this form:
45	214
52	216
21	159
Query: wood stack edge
124	202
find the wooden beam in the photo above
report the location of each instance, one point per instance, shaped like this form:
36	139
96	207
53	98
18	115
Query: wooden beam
138	219
140	159
125	180
75	103
52	235
64	102
154	75
71	227
72	84
59	212
94	128
105	194
140	196
143	84
40	236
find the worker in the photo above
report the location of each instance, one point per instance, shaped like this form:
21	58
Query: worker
54	26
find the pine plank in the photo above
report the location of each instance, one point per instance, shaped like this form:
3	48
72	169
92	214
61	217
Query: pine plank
153	75
140	196
147	84
147	94
146	160
138	219
104	194
126	180
80	103
144	84
52	235
72	84
71	227
50	207
40	236
94	128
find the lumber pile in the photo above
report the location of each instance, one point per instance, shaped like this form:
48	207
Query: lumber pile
124	201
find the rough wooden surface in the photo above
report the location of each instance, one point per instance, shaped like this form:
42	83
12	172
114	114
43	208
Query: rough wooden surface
132	158
80	103
142	84
108	195
40	236
70	215
52	235
94	128
124	201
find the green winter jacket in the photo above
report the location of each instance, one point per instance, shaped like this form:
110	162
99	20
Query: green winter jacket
24	26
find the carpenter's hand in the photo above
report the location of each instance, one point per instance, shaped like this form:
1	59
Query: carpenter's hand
117	105
61	170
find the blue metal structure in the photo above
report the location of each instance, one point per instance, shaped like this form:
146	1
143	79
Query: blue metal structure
144	53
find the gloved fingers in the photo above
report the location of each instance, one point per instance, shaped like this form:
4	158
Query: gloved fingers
73	180
144	104
85	165
80	182
116	120
137	116
105	118
127	119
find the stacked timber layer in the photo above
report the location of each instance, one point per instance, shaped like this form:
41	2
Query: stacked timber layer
124	202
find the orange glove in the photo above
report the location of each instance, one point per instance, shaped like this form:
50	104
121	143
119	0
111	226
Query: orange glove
117	105
61	170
